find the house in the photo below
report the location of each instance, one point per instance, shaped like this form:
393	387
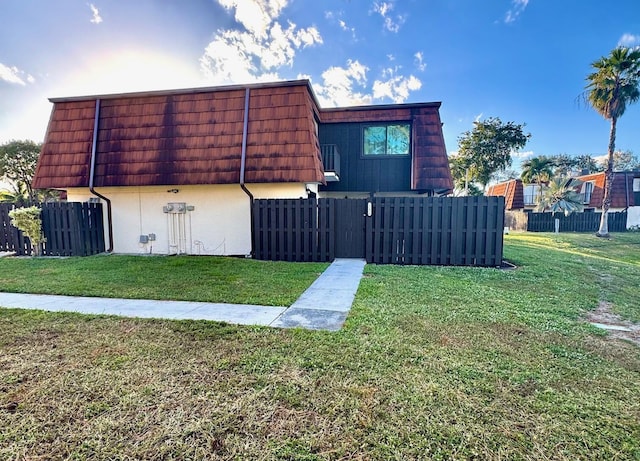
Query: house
393	150
625	193
518	196
178	170
512	191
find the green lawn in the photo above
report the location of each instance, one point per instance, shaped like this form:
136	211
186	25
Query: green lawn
433	362
185	278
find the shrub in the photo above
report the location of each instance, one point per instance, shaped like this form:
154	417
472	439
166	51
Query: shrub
29	222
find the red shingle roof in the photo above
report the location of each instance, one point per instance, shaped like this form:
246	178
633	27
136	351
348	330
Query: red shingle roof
178	138
511	190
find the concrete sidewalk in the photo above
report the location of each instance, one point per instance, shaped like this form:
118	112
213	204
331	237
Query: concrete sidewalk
323	306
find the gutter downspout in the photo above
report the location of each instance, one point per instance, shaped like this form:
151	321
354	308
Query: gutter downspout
94	144
243	160
626	189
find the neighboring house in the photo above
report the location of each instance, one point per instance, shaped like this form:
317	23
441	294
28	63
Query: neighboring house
512	191
178	170
625	193
531	195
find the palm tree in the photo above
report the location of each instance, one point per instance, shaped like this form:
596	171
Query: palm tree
560	196
537	170
614	85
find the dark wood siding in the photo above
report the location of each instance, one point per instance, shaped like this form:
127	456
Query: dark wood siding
364	174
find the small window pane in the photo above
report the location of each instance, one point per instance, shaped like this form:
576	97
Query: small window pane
375	140
397	139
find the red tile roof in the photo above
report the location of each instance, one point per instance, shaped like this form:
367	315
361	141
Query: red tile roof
511	190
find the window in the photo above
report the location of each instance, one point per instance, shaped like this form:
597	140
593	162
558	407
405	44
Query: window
587	190
387	139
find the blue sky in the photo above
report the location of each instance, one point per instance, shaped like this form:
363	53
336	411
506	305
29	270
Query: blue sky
520	60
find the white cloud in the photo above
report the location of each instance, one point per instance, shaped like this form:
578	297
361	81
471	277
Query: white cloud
629	40
601	159
255	53
338	86
96	18
384	9
522	155
396	87
419	61
336	17
255	15
14	75
478	117
345	86
517	8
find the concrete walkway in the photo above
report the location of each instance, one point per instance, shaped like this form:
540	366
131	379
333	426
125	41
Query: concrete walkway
323	306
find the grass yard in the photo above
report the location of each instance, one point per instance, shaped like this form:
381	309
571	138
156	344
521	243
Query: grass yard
433	362
184	278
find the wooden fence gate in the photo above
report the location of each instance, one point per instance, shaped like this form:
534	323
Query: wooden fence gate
387	230
350	227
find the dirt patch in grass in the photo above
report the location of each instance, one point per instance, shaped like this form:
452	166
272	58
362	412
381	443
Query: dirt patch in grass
614	324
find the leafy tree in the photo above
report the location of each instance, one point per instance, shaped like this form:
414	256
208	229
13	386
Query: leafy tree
587	163
560	196
610	89
487	148
537	170
462	183
563	164
18	161
625	161
505	175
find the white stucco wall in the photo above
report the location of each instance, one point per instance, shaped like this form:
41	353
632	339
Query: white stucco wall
633	216
220	223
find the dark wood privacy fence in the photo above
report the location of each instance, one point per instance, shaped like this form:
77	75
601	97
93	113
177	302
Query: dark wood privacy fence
575	222
459	231
390	230
11	239
293	230
71	229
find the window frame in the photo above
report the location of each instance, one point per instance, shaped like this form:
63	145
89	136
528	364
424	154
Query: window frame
386	125
587	191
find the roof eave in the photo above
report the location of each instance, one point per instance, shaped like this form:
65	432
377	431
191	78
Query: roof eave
207	89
